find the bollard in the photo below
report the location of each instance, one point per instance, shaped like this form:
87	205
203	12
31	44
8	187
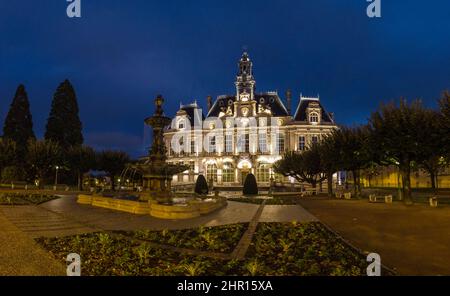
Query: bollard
388	199
433	202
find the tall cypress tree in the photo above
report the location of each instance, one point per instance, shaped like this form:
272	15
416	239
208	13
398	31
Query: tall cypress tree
19	123
64	125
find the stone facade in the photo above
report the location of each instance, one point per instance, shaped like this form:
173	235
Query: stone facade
243	133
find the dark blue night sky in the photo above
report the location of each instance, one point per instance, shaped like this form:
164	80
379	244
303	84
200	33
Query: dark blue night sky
120	54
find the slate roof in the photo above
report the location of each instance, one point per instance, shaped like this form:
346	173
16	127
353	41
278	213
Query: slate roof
300	114
268	99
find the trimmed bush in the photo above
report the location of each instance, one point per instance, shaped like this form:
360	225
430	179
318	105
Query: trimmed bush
250	185
201	186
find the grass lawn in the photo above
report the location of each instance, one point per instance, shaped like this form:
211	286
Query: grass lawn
277	249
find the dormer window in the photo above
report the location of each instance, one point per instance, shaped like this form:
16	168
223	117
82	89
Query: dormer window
313	117
181	124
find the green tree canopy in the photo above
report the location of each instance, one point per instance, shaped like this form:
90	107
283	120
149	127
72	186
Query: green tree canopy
445	123
329	156
63	124
432	147
354	152
19	123
303	166
113	162
81	159
42	158
396	135
7	153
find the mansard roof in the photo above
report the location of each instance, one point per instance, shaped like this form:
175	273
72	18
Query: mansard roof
300	114
190	110
268	99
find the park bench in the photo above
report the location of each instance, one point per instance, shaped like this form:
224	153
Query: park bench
343	195
373	198
347	195
434	201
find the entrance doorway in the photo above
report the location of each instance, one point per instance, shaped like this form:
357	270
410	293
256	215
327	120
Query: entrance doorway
244	174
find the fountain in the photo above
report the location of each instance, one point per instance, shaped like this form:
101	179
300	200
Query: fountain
156	197
156	172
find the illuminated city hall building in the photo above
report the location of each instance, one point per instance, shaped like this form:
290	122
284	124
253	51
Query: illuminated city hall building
243	133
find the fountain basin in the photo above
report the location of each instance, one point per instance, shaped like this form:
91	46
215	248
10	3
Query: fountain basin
193	208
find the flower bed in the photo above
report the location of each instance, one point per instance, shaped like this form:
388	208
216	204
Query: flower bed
217	239
290	249
302	249
102	254
25	198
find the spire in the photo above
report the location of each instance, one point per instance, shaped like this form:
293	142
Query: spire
245	66
288	101
245	82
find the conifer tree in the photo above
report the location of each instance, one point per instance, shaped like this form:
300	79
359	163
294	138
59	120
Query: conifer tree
19	124
64	125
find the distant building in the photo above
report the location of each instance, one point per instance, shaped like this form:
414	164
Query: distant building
243	133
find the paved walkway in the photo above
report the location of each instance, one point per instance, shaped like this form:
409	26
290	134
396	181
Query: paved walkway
246	239
234	212
414	240
20	255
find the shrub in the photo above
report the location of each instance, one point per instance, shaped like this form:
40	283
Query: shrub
201	186
250	185
10	174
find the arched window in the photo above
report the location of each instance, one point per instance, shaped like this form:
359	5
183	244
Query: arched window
313	117
211	172
228	172
263	172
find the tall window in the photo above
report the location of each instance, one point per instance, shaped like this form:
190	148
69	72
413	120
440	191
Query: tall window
301	143
280	142
192	166
262	143
314	117
244	143
247	143
211	172
193	146
263	172
212	144
229	143
228	172
314	140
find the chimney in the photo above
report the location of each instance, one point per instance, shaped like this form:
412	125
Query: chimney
288	101
209	102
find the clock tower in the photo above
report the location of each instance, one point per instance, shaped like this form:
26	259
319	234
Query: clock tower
245	104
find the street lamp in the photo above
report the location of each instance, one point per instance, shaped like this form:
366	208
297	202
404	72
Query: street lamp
56	176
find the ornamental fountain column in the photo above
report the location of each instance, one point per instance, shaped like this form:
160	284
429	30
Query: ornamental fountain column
157	174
